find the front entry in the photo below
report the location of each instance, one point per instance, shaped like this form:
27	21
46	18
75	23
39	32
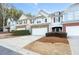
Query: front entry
57	29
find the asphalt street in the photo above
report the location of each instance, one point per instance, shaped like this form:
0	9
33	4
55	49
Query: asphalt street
6	51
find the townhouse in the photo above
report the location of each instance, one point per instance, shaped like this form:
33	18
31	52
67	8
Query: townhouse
43	22
40	24
71	20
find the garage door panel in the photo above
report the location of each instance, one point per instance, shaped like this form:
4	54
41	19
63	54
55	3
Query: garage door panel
39	31
72	30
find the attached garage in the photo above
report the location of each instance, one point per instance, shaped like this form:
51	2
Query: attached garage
39	30
72	29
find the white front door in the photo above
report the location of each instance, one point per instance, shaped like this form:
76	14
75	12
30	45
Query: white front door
39	31
72	30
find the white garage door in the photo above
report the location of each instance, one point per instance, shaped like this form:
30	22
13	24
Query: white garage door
72	30
39	31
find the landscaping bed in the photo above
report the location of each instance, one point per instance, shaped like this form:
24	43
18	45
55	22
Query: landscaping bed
57	34
50	46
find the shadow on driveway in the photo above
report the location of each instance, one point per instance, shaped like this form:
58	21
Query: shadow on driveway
6	51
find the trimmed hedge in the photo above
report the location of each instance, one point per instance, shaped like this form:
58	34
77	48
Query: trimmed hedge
57	34
20	32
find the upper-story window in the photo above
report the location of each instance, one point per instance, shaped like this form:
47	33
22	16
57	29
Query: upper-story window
20	22
38	21
8	24
45	20
24	21
57	13
17	22
54	19
33	21
59	19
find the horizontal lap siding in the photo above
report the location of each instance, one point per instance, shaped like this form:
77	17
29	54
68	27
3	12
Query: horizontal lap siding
22	27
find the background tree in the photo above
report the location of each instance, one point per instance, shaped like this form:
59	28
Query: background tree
7	11
14	13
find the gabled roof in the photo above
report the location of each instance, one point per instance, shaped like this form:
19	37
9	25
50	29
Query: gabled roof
42	14
42	11
23	16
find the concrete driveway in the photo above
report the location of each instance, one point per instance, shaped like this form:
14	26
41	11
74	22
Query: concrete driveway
74	44
17	43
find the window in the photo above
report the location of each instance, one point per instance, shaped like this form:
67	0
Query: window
54	19
24	21
20	22
45	20
38	21
33	21
59	19
59	13
17	23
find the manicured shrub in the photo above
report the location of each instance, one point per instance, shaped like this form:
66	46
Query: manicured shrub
21	32
57	34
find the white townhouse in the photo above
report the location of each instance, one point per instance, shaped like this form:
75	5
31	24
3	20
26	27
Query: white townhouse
56	21
45	22
41	23
11	25
23	23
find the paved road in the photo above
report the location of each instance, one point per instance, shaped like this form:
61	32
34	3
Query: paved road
74	44
6	51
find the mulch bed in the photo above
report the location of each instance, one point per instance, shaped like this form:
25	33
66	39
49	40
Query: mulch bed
53	40
50	46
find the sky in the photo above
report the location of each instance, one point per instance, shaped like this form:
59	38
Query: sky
35	7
